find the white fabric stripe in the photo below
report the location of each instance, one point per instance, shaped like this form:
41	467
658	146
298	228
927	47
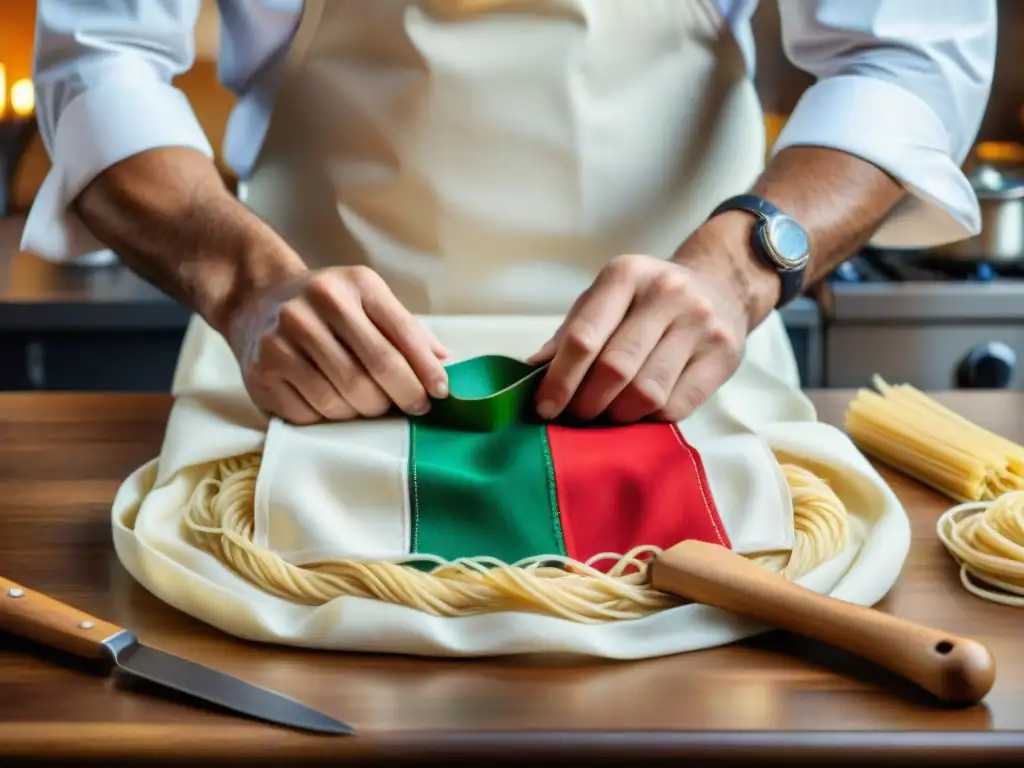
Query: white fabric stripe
334	491
749	490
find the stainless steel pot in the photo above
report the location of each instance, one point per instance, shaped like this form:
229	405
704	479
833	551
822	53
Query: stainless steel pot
1001	239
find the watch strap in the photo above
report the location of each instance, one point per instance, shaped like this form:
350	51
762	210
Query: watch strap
791	280
792	285
750	203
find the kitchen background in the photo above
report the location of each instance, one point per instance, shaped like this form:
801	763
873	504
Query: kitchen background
945	320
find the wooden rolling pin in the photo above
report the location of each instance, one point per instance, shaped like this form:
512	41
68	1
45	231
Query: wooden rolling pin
955	669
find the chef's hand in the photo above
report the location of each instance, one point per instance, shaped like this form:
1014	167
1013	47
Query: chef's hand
334	344
653	338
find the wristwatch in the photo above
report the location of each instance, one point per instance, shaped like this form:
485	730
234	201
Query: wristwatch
778	240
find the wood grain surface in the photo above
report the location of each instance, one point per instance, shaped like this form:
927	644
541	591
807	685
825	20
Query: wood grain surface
777	697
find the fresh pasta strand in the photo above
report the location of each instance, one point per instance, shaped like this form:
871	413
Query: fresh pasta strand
220	519
987	540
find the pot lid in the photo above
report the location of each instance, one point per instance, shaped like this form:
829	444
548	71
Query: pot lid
991	184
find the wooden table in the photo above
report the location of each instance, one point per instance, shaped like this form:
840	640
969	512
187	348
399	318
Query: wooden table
776	697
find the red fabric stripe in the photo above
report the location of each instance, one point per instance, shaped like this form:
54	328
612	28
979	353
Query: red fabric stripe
622	487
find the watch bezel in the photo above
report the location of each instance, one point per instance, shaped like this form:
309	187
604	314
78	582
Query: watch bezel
769	238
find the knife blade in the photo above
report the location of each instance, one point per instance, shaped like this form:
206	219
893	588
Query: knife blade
43	619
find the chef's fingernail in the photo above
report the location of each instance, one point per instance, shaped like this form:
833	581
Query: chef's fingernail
547	409
420	409
440	389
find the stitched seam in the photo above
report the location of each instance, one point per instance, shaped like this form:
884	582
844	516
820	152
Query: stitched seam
700	482
414	539
403	478
556	517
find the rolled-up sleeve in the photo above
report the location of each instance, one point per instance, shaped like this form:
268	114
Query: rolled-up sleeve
103	79
902	84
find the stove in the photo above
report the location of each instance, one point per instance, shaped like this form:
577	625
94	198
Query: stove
931	322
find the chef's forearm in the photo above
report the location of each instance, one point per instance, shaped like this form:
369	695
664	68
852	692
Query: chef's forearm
840	199
169	217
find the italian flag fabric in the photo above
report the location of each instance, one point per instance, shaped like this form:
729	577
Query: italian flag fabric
536	489
481	477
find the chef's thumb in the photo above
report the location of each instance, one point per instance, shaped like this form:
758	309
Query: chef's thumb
545	353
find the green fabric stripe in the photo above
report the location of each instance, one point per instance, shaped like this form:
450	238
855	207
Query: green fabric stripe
483	493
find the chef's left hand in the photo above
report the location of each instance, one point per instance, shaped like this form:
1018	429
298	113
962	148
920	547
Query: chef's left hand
653	338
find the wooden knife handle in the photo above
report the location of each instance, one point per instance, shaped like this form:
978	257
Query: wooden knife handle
955	669
40	618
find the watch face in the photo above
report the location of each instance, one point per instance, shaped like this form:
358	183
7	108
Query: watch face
788	240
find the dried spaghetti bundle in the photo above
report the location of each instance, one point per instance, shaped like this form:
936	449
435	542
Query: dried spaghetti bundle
913	433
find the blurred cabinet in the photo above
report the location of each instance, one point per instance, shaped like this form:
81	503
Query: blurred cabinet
82	328
104	361
142	359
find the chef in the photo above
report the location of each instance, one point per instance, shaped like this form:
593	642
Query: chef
600	161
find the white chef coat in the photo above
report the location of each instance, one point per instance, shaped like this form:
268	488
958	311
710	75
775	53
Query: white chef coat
901	83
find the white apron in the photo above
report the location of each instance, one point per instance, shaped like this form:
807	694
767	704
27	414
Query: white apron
487	158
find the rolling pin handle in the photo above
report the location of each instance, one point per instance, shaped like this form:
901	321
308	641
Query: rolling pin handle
957	670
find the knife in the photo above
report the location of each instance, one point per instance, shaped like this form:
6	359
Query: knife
48	621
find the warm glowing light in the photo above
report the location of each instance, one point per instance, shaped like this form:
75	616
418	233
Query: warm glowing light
3	89
23	98
999	151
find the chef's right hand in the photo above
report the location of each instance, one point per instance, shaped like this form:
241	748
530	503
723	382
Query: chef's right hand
335	344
